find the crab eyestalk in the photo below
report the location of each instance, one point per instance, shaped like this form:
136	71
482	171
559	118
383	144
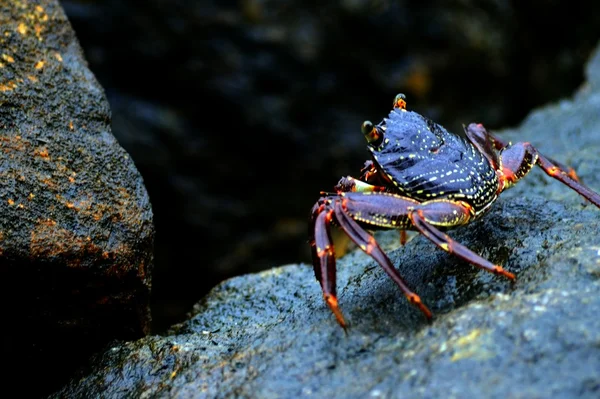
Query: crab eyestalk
400	101
371	133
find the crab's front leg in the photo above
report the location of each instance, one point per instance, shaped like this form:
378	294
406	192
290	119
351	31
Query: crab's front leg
362	185
323	254
341	210
353	211
370	180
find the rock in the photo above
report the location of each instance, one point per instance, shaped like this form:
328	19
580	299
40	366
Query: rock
269	335
76	230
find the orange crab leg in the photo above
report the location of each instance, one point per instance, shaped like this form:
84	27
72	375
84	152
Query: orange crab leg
324	259
567	177
367	243
386	210
448	214
516	160
519	158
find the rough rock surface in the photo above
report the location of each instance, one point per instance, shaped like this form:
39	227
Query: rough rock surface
270	335
76	229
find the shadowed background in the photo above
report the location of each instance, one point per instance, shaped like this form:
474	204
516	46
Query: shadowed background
237	113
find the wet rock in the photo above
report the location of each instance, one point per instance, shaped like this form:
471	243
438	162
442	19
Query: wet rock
270	335
76	229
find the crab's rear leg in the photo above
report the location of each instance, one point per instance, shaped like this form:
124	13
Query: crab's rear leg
519	158
500	144
341	210
567	177
516	160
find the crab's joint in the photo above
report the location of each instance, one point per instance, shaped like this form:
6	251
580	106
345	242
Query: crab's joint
370	245
324	252
329	216
506	178
332	302
344	204
509	176
553	171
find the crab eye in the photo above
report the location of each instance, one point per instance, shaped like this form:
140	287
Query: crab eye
366	127
400	101
372	134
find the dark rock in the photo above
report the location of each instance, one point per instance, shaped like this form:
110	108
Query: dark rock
238	113
269	335
76	229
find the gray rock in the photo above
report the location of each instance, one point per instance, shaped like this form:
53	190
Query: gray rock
269	335
76	230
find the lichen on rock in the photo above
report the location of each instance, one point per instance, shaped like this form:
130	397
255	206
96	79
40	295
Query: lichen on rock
76	230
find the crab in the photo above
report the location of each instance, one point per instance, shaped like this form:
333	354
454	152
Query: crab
422	177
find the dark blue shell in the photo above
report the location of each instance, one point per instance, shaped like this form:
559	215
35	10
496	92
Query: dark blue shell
424	161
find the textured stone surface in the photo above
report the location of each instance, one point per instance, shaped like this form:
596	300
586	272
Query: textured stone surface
270	335
76	229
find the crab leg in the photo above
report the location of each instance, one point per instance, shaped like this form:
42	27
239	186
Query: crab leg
341	210
425	217
367	243
516	160
449	214
500	144
519	158
567	177
324	258
353	210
